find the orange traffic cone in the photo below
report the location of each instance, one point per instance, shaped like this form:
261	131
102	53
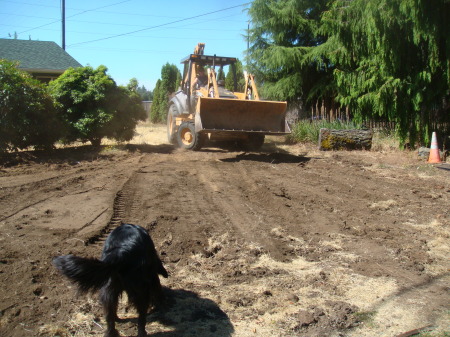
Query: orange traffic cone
434	157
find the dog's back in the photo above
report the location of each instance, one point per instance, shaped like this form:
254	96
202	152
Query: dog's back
129	248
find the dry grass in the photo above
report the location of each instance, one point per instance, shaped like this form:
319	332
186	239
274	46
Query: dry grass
439	245
384	205
146	133
385	141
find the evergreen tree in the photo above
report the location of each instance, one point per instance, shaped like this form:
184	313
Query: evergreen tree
221	74
145	94
283	34
133	84
154	110
229	78
381	59
169	82
392	62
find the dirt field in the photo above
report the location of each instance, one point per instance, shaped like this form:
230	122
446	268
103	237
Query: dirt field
289	241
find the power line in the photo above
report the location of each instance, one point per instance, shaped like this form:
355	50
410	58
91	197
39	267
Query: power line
90	10
27	3
28	16
58	20
157	26
82	12
221	19
94	22
158	36
95	9
139	14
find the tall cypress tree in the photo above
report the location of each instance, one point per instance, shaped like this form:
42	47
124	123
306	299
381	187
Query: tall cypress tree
154	110
229	78
169	82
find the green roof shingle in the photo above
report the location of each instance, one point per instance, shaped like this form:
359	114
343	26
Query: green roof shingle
37	55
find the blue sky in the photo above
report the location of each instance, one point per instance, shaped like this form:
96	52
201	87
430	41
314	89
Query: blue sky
133	38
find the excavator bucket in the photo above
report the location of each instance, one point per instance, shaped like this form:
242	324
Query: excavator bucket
221	114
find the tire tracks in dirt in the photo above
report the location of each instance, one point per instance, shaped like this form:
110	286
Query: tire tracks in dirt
124	200
247	205
198	194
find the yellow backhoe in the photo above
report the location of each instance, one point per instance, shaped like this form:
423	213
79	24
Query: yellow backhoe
204	109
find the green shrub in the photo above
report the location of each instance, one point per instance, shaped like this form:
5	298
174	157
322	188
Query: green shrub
92	106
308	131
128	112
27	114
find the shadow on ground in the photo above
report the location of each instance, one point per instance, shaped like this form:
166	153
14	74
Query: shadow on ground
76	154
444	166
272	158
187	314
145	148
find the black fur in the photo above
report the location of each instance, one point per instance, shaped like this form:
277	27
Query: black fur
129	263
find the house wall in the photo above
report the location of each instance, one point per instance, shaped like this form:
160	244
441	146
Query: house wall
45	77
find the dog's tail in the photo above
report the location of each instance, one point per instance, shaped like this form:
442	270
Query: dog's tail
88	274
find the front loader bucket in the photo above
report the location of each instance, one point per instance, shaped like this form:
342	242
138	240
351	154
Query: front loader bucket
221	114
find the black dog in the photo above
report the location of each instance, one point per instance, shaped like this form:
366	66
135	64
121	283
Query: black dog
129	263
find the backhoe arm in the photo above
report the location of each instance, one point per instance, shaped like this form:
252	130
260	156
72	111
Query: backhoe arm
251	92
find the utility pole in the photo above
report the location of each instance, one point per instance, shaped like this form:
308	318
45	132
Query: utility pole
248	35
63	24
248	44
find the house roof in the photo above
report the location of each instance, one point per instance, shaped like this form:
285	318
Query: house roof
37	56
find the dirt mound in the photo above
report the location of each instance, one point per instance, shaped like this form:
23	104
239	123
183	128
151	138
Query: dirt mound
286	242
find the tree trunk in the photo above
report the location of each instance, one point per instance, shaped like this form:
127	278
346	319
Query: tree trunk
345	139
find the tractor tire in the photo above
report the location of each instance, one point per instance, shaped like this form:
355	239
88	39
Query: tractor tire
171	124
188	139
253	143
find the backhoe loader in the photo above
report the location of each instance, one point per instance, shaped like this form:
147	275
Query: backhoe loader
204	109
